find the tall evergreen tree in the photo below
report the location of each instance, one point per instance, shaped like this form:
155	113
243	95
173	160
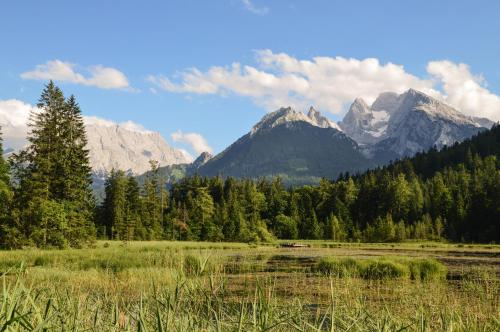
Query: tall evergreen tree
54	170
5	195
154	204
114	206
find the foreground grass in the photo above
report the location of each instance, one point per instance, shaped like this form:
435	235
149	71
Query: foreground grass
162	286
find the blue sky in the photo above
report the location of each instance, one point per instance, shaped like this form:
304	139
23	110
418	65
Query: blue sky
448	48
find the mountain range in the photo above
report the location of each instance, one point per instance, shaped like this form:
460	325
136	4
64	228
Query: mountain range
128	149
299	147
396	126
302	148
120	146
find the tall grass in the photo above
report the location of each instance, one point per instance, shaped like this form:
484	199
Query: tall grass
172	288
383	268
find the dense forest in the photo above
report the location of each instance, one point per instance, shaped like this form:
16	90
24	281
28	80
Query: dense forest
46	201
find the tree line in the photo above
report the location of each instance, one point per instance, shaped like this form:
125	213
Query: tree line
452	194
46	198
387	205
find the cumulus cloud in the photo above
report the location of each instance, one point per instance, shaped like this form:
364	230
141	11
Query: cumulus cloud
98	76
14	115
195	140
251	7
282	80
465	90
332	83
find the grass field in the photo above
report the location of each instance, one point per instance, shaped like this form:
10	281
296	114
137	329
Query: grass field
186	286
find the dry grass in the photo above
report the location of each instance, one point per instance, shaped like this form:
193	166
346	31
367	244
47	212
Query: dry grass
180	286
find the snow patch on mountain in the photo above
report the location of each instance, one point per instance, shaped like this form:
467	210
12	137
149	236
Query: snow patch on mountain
363	124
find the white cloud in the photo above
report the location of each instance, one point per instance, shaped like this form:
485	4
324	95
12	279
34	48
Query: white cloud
195	140
465	90
282	80
98	76
14	115
332	83
251	7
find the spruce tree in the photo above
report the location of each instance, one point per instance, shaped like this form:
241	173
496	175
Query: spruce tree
135	230
154	204
5	197
114	206
77	186
54	170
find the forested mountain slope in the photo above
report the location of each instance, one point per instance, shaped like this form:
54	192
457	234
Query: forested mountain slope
292	145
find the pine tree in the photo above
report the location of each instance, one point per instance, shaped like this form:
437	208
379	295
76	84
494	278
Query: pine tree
154	204
135	229
5	199
114	206
54	170
77	184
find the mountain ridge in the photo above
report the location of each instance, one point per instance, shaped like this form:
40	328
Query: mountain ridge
300	147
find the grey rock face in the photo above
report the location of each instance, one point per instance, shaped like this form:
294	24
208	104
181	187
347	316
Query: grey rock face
402	125
202	159
363	124
128	150
112	146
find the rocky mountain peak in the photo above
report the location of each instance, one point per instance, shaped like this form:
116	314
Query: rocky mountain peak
286	116
417	101
319	120
418	97
417	122
359	104
202	159
129	149
386	101
313	113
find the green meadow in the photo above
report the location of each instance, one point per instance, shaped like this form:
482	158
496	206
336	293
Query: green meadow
186	286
